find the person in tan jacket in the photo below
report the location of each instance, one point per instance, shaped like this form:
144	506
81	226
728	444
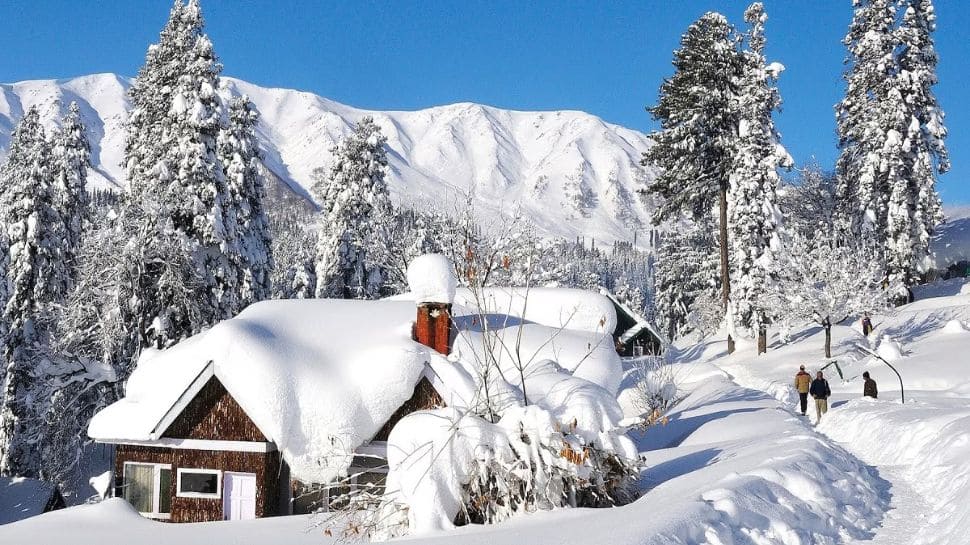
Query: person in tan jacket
802	382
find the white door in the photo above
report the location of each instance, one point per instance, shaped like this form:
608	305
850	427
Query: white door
238	496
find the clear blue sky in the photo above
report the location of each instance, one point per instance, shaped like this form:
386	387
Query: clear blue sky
607	58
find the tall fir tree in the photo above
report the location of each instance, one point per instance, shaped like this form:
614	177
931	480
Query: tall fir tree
71	159
863	122
36	277
356	208
753	213
249	249
151	95
193	183
891	134
923	132
177	276
697	141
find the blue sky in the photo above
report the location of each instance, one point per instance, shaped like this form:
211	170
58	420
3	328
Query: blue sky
607	58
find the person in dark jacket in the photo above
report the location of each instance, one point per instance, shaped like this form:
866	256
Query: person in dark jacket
802	380
869	387
820	391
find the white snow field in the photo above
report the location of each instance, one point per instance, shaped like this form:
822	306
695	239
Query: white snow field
734	465
573	173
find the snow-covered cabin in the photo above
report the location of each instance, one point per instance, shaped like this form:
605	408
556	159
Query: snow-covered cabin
634	335
254	416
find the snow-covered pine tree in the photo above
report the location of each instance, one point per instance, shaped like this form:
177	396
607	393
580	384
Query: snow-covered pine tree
754	218
686	273
151	94
36	276
411	234
897	245
355	207
247	228
71	158
696	110
176	276
695	146
194	186
924	152
294	239
863	122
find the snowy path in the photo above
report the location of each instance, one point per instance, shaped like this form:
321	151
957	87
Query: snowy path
907	514
907	509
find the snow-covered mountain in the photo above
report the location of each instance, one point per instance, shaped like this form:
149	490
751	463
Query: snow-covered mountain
572	173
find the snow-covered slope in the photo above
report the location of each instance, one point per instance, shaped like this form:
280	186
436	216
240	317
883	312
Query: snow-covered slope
572	172
921	447
951	243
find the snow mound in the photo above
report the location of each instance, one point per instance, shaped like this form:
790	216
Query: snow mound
955	326
431	279
429	456
889	349
514	345
432	455
930	440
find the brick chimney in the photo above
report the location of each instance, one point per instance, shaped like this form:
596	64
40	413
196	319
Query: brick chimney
431	279
433	326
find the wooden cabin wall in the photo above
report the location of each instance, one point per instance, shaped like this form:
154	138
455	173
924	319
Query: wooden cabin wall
266	466
424	397
214	414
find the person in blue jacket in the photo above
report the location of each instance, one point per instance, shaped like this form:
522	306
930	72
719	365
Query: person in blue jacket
820	391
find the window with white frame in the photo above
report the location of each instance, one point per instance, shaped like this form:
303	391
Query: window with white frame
147	487
199	483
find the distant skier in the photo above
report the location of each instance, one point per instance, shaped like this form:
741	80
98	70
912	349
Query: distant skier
866	325
820	391
802	381
869	388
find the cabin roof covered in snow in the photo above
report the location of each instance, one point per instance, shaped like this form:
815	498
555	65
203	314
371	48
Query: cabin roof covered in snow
639	322
561	308
320	377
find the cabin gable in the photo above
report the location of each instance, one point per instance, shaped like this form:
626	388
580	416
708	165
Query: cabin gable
424	397
213	414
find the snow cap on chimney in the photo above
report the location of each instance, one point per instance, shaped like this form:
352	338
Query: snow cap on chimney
431	279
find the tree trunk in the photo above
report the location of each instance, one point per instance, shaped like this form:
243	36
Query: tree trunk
762	340
827	325
725	279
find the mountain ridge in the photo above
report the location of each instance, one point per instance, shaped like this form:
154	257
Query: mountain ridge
571	173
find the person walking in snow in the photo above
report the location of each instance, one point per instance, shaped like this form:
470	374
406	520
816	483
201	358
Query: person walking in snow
820	391
866	325
802	381
869	387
